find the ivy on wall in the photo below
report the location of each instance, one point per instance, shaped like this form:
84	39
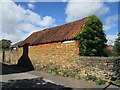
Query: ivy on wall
92	40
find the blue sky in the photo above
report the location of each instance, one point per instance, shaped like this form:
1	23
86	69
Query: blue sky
57	11
35	16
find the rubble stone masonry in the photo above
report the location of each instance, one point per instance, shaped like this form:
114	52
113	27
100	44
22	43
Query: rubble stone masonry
64	57
47	55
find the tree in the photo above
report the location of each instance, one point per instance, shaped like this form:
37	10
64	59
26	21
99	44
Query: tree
92	40
117	45
5	44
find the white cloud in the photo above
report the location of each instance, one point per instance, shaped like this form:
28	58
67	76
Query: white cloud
65	0
111	39
110	22
15	19
36	19
32	1
107	27
31	6
111	19
47	20
78	10
91	0
111	0
62	0
27	27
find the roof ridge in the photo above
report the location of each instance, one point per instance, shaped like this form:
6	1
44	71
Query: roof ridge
61	25
58	33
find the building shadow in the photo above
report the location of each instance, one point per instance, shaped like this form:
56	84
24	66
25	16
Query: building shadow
24	60
24	64
11	69
110	83
31	84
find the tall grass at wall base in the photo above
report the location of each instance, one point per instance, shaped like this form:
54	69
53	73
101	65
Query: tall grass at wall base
98	81
64	74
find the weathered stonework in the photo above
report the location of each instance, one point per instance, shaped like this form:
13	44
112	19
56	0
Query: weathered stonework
11	56
52	54
101	67
15	55
64	57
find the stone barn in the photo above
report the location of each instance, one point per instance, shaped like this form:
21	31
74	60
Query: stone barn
53	44
57	48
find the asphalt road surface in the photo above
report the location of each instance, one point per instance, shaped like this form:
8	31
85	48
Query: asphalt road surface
16	77
13	76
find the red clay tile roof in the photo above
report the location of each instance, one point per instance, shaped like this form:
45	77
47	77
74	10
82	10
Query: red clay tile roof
55	34
110	48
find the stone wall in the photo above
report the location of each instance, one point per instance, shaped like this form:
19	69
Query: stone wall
1	56
105	68
64	57
50	54
102	67
11	56
15	55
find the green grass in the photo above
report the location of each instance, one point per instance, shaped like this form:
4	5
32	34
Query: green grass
64	74
90	77
95	79
76	76
72	75
53	71
117	80
100	82
7	62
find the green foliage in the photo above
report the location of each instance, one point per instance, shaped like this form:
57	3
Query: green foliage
7	62
64	74
95	79
117	80
5	44
111	53
53	71
92	39
90	77
72	75
78	77
117	45
100	82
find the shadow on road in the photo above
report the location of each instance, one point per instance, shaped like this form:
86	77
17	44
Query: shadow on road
11	69
30	83
110	83
24	64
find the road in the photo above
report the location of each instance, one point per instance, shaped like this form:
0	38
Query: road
16	77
